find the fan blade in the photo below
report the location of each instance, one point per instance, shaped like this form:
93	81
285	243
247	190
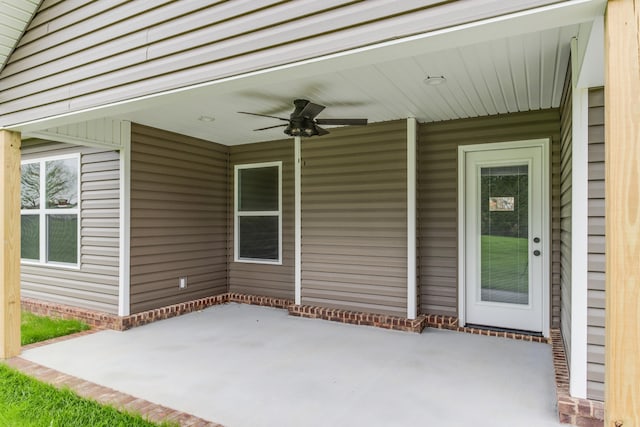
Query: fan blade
271	127
321	131
345	122
263	115
311	110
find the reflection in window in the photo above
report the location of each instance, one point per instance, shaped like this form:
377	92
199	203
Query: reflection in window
62	184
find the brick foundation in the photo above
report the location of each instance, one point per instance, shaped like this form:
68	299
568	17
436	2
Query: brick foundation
358	318
95	319
572	410
258	300
451	323
111	321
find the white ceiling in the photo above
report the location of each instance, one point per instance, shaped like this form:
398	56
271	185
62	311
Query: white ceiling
15	15
518	73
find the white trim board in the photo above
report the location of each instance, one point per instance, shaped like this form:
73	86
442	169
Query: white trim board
579	235
411	219
124	296
236	213
297	159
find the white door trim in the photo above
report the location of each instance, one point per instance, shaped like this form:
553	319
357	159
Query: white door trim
544	143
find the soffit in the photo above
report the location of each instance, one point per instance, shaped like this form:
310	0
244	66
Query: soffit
15	16
520	73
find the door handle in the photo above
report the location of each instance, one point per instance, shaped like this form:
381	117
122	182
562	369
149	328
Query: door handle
536	240
536	252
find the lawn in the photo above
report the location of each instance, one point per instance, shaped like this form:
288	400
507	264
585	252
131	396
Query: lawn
26	402
38	328
505	263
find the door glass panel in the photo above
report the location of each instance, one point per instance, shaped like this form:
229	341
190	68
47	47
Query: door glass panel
504	233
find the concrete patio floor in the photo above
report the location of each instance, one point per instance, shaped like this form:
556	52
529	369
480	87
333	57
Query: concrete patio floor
243	365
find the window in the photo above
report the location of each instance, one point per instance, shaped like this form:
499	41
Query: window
49	191
258	213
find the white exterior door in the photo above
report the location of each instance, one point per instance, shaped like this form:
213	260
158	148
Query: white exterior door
506	250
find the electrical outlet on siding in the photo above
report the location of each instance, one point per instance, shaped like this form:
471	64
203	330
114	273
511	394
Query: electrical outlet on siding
182	282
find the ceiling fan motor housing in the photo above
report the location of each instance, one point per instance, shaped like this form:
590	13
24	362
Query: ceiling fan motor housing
303	122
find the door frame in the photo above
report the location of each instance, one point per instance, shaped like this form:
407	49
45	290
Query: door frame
545	144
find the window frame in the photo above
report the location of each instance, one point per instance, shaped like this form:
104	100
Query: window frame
42	212
237	214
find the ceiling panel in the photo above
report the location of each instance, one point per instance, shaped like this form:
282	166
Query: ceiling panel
15	15
519	73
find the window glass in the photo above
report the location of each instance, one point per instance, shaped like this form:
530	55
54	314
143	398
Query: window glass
258	188
62	184
62	238
257	218
49	210
259	237
30	236
30	186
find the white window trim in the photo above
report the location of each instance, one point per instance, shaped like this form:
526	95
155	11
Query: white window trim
237	214
42	213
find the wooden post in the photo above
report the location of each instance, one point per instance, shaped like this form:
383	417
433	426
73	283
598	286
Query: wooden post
10	248
622	189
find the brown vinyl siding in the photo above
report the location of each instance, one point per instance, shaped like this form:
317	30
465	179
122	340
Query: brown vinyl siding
438	198
95	285
596	248
265	279
354	219
566	147
179	193
77	54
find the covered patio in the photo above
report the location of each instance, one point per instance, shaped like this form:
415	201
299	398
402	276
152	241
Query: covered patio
242	365
161	108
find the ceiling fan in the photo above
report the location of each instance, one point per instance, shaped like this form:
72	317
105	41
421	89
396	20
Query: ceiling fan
303	122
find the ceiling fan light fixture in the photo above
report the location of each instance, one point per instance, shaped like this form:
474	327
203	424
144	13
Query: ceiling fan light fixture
292	131
435	80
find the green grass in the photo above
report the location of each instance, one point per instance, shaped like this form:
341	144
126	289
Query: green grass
37	328
504	263
25	402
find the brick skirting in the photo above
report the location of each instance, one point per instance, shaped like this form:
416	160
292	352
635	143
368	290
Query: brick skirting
451	323
258	300
95	319
120	323
112	321
358	318
572	410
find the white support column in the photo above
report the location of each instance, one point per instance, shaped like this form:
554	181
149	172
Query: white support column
298	220
125	219
411	219
579	242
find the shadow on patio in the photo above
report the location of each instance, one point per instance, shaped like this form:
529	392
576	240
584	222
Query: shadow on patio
243	365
